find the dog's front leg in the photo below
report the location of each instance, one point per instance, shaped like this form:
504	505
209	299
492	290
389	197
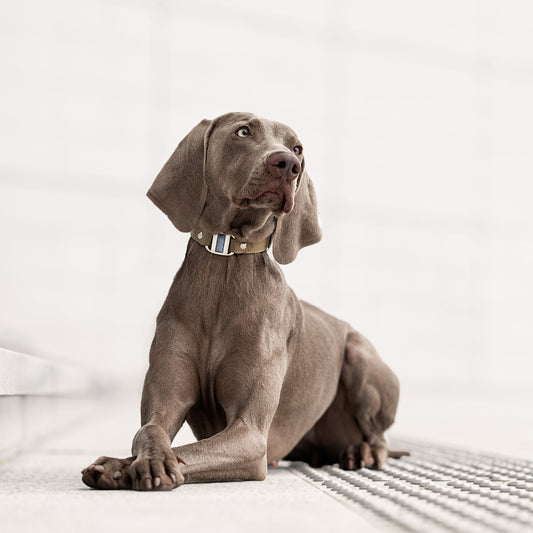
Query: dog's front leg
170	389
249	394
238	453
155	464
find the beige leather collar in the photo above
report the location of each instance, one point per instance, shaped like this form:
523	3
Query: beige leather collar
221	244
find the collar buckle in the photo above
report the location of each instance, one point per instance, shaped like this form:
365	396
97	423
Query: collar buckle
220	244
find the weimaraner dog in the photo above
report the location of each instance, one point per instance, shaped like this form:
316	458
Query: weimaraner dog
258	374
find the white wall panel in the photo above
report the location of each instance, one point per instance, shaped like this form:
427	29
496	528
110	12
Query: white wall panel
417	122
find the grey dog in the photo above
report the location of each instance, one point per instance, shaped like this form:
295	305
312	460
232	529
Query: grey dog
257	374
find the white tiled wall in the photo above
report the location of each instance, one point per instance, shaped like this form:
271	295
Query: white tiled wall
417	121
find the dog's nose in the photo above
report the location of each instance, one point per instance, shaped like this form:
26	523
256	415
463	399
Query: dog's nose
284	165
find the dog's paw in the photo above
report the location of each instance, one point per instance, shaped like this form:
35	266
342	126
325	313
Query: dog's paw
158	472
363	455
108	473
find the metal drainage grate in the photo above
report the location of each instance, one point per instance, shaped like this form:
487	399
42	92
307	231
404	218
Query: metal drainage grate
436	489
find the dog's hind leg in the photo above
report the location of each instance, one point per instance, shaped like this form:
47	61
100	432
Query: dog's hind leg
372	392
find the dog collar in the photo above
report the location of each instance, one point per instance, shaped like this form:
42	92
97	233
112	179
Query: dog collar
222	244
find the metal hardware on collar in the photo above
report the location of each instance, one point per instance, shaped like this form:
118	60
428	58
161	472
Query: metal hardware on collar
220	244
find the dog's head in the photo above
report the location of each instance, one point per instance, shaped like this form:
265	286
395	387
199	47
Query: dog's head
241	175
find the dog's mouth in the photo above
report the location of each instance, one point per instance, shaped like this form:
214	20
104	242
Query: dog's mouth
280	199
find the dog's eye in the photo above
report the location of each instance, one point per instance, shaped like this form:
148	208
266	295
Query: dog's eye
243	132
297	150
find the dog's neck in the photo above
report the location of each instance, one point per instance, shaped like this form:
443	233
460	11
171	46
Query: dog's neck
223	244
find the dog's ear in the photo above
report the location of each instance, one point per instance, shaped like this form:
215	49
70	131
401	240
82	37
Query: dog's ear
180	189
300	227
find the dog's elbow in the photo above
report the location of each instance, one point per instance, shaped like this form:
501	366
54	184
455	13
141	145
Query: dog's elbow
258	471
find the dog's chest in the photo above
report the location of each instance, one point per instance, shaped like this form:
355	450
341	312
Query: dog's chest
229	300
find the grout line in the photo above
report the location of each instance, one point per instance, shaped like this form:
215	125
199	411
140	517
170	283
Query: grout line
438	488
313	479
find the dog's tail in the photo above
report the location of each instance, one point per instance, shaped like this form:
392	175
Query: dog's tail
397	455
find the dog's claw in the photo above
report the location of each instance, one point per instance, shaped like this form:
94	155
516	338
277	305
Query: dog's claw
363	456
109	473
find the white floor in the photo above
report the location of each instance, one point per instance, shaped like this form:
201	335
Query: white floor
41	489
